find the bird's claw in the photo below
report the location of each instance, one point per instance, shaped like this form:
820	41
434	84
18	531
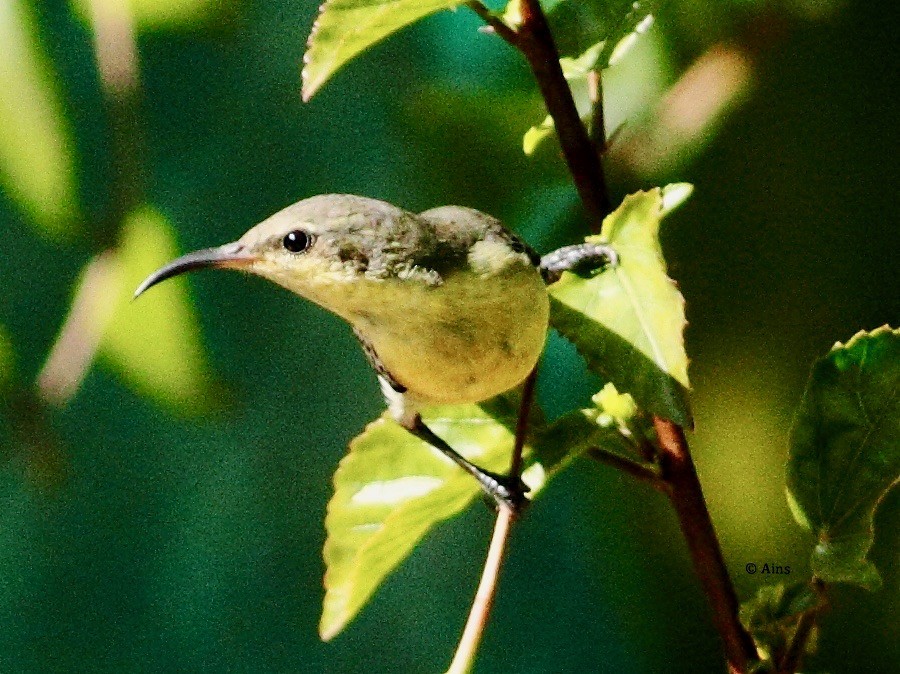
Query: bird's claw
507	491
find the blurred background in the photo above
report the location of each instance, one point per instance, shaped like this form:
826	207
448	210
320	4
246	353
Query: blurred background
167	464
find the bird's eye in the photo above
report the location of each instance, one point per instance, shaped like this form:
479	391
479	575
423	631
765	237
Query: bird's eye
296	241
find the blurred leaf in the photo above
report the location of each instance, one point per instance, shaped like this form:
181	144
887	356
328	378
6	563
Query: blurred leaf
154	342
344	28
36	162
628	319
845	452
771	616
160	13
392	488
675	128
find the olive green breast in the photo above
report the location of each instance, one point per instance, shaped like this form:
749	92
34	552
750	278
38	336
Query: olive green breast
473	336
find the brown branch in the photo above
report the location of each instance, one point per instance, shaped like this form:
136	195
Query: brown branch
79	338
464	657
515	465
686	495
115	48
536	42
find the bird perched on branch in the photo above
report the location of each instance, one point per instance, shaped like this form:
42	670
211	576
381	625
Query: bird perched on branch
449	306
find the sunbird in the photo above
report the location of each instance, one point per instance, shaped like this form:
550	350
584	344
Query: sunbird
449	306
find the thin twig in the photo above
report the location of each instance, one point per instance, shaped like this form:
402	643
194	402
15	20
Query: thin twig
598	123
497	25
79	338
626	465
115	48
515	464
464	657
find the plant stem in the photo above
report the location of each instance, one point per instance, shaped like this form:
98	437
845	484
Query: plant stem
792	659
686	496
515	464
534	39
115	48
598	123
626	465
464	657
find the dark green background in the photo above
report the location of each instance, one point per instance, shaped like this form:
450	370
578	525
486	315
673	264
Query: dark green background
177	543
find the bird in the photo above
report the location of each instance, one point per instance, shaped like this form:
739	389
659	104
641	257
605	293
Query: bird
449	306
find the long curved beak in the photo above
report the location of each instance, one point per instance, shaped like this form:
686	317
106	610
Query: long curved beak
229	255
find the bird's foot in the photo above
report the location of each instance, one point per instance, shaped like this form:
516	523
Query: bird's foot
506	491
581	256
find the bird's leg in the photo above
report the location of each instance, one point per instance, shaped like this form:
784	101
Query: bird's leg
579	256
506	491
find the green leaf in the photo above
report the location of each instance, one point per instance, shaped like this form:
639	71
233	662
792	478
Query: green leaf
344	28
392	488
154	342
771	616
845	452
36	159
628	319
574	433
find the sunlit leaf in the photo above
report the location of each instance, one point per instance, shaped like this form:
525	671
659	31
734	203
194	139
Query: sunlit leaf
771	616
392	488
160	13
627	320
36	161
845	452
344	28
154	342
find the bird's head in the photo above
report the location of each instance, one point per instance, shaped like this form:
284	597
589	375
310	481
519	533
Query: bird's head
328	249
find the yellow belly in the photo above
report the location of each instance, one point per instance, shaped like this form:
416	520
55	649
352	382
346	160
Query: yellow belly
464	341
